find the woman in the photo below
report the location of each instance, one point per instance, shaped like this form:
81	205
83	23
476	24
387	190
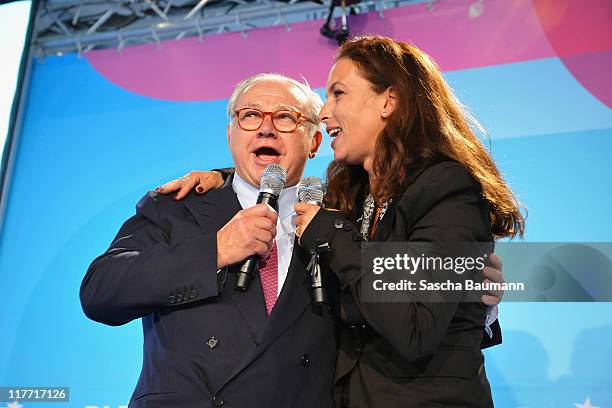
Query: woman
407	167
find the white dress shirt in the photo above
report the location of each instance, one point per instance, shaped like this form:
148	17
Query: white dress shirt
285	226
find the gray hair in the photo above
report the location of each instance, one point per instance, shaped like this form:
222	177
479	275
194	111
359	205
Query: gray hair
310	100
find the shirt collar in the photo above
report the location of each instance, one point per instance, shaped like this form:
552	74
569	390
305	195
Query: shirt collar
247	195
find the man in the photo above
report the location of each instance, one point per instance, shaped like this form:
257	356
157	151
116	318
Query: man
205	344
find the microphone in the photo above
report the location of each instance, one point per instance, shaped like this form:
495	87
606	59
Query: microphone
311	191
271	184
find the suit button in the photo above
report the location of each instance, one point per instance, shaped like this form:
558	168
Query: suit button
212	342
171	300
304	360
218	401
338	223
179	298
356	237
193	294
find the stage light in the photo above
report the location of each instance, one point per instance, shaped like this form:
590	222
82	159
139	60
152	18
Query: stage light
342	33
476	9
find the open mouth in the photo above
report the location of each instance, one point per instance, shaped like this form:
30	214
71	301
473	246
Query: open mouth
333	132
267	155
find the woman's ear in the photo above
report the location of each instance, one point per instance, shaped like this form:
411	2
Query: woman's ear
390	102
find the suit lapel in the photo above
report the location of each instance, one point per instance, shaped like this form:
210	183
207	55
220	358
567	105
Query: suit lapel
212	211
293	300
251	304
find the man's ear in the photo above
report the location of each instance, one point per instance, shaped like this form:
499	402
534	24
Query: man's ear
228	135
316	142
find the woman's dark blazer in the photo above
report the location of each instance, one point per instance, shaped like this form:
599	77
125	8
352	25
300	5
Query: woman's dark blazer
410	354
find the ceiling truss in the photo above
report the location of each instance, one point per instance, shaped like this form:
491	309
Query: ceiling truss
67	26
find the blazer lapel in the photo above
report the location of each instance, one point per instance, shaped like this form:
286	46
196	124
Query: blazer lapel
385	228
293	300
251	304
212	212
214	209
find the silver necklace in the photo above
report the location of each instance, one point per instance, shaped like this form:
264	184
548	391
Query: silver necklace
368	212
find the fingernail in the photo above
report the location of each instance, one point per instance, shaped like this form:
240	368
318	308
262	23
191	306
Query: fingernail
200	189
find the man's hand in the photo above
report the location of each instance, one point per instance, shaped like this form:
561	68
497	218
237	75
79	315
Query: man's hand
493	274
203	181
250	232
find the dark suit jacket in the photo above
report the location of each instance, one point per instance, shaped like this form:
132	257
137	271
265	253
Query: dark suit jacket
410	354
205	344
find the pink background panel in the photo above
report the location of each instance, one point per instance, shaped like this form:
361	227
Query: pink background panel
506	32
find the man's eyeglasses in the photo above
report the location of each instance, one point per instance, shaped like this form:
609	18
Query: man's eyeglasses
283	120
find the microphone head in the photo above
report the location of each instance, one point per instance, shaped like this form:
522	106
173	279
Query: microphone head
273	179
311	190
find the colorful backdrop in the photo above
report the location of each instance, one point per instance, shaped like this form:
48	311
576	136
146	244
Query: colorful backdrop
102	130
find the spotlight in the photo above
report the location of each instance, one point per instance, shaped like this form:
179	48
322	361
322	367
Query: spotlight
339	34
476	9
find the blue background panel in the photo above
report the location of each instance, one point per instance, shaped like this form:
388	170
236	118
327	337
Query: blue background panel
89	150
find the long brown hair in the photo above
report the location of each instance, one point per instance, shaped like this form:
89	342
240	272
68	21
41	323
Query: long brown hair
428	121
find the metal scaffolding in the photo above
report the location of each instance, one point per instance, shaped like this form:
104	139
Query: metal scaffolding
66	26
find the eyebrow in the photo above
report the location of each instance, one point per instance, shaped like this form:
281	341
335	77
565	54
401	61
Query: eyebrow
279	106
334	84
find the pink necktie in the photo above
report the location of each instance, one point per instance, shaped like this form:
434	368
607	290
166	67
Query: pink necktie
268	273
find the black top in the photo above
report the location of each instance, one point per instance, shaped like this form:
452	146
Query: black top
410	354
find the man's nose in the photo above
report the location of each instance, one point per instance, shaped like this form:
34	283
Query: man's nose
267	127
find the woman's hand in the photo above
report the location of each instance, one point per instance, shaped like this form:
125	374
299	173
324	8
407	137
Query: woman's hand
305	214
203	181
